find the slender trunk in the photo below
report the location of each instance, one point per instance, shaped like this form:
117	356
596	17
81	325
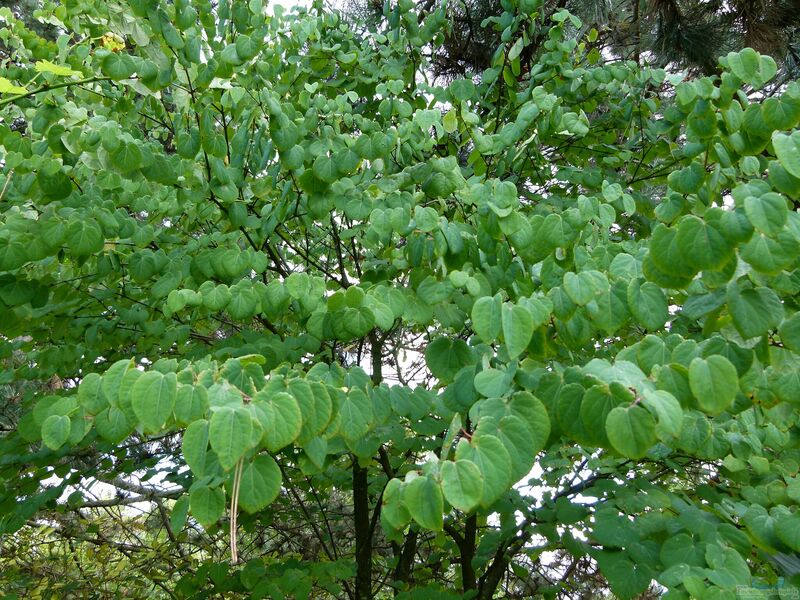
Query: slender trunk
361	513
467	552
636	31
405	561
494	574
363	589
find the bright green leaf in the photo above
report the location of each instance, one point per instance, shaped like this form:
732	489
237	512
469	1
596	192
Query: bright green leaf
207	504
423	499
55	431
517	328
230	435
714	383
462	484
153	398
631	430
260	483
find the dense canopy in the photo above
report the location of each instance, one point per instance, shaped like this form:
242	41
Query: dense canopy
329	327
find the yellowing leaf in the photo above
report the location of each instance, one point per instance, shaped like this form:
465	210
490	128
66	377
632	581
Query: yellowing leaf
6	87
45	66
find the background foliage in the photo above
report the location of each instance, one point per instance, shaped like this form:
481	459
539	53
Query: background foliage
330	328
690	34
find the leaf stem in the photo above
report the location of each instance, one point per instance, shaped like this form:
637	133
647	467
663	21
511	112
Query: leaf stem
237	480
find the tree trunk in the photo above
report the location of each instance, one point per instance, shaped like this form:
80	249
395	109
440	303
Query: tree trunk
363	589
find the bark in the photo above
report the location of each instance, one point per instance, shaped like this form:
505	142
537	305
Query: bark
361	521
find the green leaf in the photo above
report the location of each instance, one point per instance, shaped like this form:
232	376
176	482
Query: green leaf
13	253
195	447
517	438
595	406
260	483
177	520
55	431
188	143
357	415
90	394
462	484
780	113
486	318
423	499
230	434
325	168
84	237
517	328
787	149
207	504
243	302
313	424
533	412
153	398
392	507
781	180
751	67
323	408
432	291
714	383
113	425
223	394
191	402
730	571
584	286
282	421
358	322
125	400
626	579
609	310
682	548
648	304
767	213
667	255
703	244
688	180
55	186
667	411
576	124
492	382
462	89
789	332
754	311
316	449
489	454
788	530
450	121
284	134
247	47
118	65
298	285
445	357
631	430
761	527
769	255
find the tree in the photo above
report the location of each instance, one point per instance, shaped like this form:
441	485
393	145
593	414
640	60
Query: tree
349	333
26	11
681	34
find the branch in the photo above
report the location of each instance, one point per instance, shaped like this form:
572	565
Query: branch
47	87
